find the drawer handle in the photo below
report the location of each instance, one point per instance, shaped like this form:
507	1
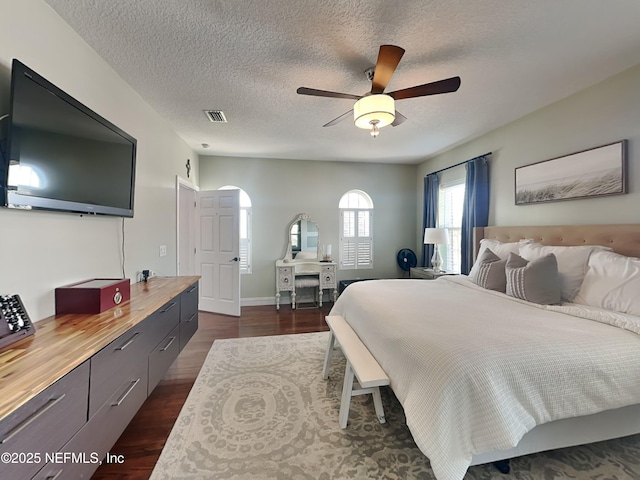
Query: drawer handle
126	394
128	342
191	318
52	402
168	344
169	307
191	290
54	477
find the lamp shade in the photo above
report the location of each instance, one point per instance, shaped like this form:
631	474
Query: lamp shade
372	108
435	235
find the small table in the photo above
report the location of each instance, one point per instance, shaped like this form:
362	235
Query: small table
288	271
425	273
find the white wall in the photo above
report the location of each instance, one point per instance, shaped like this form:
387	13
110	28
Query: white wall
281	189
604	113
40	251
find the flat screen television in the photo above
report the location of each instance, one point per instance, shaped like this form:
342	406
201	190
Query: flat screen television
61	155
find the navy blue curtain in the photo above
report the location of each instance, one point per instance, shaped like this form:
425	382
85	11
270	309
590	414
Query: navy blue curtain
431	183
475	211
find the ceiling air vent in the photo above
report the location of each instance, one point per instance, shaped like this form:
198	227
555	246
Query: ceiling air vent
216	116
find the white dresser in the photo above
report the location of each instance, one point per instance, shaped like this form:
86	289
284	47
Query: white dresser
292	274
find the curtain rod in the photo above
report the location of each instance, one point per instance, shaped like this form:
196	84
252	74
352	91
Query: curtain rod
461	163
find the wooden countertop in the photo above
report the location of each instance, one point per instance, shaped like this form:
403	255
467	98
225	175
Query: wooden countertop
62	342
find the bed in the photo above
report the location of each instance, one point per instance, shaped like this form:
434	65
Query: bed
478	387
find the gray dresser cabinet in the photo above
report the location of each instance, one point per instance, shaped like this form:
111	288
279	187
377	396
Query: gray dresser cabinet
86	411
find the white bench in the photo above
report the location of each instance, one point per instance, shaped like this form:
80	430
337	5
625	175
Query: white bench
360	363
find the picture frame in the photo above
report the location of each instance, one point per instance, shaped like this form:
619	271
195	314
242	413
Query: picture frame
598	171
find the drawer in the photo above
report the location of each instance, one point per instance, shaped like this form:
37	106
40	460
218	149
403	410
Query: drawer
103	430
44	424
189	302
328	277
161	323
81	468
162	357
115	364
285	278
187	329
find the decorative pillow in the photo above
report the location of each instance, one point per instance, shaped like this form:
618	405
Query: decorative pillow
612	282
535	281
499	248
572	264
490	272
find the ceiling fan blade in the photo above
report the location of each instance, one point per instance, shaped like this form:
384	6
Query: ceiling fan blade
339	119
388	58
447	85
399	119
325	93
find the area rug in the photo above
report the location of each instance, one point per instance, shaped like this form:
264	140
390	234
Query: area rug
260	409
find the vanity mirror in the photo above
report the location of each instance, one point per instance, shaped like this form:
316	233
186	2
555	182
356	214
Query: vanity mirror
303	239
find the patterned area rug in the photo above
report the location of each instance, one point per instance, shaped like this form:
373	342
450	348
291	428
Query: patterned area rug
259	409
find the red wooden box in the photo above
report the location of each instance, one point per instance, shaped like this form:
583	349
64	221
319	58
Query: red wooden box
92	296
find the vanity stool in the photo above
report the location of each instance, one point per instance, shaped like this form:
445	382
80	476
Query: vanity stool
309	282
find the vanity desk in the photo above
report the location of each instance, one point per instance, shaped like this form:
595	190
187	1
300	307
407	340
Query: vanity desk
305	273
301	266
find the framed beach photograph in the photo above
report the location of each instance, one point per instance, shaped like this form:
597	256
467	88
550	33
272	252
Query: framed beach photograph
589	173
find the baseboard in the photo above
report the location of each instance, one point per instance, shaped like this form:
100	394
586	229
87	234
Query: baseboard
257	301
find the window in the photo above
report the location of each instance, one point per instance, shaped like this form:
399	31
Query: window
356	230
245	228
24	176
296	238
450	203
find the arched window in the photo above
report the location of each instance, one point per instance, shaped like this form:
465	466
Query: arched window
245	228
356	230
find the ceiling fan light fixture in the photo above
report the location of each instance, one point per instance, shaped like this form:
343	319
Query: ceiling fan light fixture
379	108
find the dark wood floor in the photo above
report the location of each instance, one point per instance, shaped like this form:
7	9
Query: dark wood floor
142	441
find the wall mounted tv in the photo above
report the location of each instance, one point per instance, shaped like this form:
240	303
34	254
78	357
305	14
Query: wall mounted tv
61	155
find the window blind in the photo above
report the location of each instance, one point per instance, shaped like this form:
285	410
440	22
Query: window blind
450	204
356	242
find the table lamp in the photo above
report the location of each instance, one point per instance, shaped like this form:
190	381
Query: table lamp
435	236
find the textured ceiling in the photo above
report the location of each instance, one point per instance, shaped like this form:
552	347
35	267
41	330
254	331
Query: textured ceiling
247	58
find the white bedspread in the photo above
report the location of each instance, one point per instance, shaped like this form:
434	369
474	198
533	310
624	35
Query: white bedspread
475	369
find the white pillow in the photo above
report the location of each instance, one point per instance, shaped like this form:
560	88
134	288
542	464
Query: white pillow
572	263
612	282
501	249
306	255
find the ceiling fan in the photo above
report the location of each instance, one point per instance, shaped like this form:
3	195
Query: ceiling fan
376	109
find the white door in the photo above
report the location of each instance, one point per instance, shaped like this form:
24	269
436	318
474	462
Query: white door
219	251
186	258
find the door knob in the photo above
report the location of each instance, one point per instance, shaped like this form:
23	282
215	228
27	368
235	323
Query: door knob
235	259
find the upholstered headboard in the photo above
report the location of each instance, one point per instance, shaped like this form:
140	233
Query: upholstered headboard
622	238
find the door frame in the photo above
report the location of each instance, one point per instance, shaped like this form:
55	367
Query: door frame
185	223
